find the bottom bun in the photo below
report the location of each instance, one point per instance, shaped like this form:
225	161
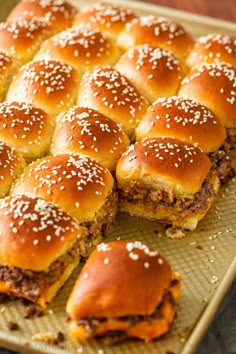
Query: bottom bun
165	213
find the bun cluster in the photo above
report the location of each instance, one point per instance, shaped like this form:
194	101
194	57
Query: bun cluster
103	110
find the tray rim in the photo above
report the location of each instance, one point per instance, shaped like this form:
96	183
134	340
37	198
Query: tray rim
9	341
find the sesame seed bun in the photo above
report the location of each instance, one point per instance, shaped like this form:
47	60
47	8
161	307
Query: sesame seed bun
50	238
11	165
8	68
26	224
110	93
166	180
87	132
137	272
213	85
154	71
183	119
26	128
107	18
59	14
48	84
81	47
158	32
77	184
213	48
22	38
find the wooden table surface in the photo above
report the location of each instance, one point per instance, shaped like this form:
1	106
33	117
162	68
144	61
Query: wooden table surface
223	9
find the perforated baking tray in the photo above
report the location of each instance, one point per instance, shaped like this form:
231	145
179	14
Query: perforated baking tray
205	258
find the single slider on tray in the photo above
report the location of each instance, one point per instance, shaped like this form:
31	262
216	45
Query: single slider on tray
166	180
40	246
77	184
124	290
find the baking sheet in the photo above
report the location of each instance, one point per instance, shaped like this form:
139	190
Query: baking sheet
205	258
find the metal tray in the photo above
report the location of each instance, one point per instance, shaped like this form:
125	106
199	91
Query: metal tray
205	258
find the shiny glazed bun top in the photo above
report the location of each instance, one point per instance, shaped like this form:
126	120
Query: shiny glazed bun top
182	119
155	72
81	47
59	14
25	127
34	233
87	132
158	32
213	48
110	93
141	274
213	85
23	37
77	184
107	18
48	84
163	163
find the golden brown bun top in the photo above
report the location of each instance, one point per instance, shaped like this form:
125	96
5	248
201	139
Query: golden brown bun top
34	233
8	67
23	37
77	184
11	165
213	85
107	91
182	119
58	13
81	47
25	127
158	32
163	163
120	278
48	84
213	48
107	18
87	132
155	72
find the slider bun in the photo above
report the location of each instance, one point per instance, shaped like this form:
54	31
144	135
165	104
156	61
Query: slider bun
107	18
22	38
80	47
87	132
8	68
158	32
183	119
58	14
154	71
214	86
26	128
213	48
121	282
33	227
48	84
163	163
77	184
110	93
11	165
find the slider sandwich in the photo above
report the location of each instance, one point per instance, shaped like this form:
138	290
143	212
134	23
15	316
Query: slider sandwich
166	180
192	122
135	294
40	246
79	185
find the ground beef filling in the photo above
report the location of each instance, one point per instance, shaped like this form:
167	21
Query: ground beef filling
92	323
179	206
102	225
31	283
222	159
